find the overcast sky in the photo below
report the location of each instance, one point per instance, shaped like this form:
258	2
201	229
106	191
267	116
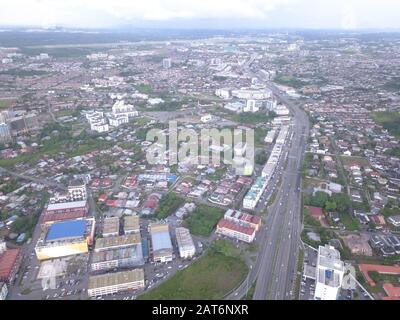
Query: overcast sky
337	14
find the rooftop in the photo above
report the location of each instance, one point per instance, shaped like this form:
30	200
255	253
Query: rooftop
66	205
117	241
113	279
225	224
131	223
7	261
111	225
66	230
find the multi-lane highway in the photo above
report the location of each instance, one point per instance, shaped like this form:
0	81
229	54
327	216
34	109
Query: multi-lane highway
274	272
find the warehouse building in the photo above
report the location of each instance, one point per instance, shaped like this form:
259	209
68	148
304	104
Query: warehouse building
236	231
116	283
118	258
185	243
161	242
117	242
131	224
65	238
111	227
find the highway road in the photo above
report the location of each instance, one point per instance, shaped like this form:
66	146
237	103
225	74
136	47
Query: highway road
275	269
45	182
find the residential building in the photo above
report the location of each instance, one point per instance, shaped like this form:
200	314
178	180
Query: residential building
5	133
236	231
329	273
167	63
3	291
394	220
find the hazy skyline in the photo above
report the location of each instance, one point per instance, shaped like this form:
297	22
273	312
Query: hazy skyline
339	14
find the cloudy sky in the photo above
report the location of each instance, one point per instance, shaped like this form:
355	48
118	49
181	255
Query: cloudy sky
342	14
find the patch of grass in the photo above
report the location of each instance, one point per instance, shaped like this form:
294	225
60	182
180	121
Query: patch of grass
144	88
388	120
26	291
363	162
300	261
203	219
209	278
5	104
291	81
168	204
348	221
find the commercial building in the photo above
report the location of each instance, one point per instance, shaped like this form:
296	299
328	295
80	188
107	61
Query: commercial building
282	135
263	94
131	224
117	242
65	238
10	260
64	211
161	242
185	242
329	273
111	227
270	136
77	190
116	282
253	196
118	258
236	231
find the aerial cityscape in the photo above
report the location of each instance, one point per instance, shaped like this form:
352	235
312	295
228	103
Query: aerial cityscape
125	175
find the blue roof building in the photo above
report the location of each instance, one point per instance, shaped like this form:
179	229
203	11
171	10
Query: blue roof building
66	230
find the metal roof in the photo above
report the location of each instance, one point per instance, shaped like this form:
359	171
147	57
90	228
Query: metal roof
66	230
161	240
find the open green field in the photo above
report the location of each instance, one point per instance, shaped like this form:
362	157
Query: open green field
209	278
5	103
291	81
203	219
388	120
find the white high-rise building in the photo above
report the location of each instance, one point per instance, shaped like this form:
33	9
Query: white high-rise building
252	106
185	243
223	93
329	273
167	63
5	133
